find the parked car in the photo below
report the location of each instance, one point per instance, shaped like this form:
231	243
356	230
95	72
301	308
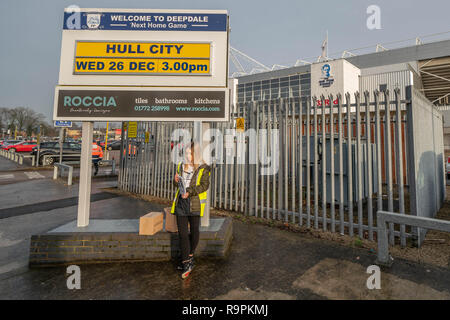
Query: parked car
23	146
447	168
115	145
71	152
8	142
101	143
42	145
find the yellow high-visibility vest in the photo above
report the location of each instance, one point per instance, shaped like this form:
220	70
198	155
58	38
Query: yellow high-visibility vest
202	196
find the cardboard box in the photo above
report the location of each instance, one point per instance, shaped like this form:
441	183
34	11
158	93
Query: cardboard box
151	223
171	221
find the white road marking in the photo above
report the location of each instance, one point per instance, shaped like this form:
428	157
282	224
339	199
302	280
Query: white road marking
4	242
34	175
12	266
6	176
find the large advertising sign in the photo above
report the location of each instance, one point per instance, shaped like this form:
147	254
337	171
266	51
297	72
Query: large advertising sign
143	65
139	47
140	104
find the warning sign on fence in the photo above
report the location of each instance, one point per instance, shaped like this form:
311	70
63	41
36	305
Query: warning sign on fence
132	129
240	124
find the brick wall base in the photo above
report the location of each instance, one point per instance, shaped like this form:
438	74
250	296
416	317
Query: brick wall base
101	247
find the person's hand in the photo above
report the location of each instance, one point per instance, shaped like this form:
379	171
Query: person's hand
177	177
184	196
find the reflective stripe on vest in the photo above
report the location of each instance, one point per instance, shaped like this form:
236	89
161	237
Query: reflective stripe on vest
172	210
202	196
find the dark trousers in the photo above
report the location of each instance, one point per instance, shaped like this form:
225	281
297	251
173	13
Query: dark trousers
95	161
188	241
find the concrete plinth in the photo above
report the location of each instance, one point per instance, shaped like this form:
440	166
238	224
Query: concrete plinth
119	240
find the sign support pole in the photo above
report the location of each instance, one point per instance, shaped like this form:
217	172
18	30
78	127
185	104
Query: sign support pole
106	140
61	138
84	194
199	137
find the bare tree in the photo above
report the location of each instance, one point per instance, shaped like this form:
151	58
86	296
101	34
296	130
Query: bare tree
23	119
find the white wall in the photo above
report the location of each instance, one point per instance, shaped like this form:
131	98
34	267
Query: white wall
345	77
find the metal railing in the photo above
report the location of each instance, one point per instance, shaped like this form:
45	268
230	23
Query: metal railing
384	217
32	157
112	163
60	167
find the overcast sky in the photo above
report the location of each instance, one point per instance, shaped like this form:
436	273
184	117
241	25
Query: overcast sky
272	32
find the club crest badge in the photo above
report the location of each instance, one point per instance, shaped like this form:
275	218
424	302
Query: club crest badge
93	20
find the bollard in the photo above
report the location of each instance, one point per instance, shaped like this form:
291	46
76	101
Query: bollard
20	159
69	179
32	161
55	172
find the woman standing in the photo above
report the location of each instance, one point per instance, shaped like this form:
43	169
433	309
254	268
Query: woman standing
192	178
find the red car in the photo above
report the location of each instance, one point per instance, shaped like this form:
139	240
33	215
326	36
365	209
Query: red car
24	146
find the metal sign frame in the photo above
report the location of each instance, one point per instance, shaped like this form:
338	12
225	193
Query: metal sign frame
94	30
219	39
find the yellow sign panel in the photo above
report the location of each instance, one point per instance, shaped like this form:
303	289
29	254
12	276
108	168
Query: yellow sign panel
143	49
147	136
141	66
155	58
240	124
132	129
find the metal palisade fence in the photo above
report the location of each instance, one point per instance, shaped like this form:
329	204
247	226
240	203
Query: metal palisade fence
321	162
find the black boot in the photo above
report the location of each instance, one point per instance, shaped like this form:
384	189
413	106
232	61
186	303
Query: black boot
191	260
180	264
187	268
